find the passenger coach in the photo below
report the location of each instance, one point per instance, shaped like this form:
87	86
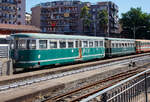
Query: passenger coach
142	46
118	46
37	49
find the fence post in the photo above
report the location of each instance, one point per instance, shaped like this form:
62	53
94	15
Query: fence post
104	97
1	69
146	87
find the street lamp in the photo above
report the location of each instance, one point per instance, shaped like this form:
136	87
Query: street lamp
95	24
108	29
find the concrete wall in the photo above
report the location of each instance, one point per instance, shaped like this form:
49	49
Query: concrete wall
21	7
36	12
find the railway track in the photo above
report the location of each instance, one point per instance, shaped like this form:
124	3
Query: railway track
30	81
85	91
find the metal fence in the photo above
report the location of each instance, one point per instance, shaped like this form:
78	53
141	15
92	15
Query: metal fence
4	50
0	68
134	89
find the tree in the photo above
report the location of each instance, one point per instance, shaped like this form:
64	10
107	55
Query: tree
86	18
136	21
103	20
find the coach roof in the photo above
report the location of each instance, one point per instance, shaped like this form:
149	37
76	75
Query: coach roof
53	36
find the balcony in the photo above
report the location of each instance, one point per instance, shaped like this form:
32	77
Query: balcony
8	10
8	2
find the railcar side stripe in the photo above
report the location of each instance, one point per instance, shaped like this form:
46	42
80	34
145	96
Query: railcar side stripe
56	59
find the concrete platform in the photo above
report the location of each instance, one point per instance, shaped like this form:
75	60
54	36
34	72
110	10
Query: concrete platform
49	88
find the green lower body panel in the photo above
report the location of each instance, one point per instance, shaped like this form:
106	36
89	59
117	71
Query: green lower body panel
120	51
35	58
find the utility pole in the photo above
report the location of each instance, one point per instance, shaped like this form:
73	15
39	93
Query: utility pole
134	31
108	18
95	26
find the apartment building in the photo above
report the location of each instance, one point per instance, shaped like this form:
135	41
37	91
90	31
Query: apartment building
112	9
58	16
12	12
64	17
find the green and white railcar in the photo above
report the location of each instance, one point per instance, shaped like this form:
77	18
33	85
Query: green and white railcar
119	46
37	49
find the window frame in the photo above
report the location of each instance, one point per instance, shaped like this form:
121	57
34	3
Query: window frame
53	40
46	44
83	44
91	41
69	42
62	40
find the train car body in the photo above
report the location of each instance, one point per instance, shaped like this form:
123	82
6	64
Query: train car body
142	46
118	46
37	49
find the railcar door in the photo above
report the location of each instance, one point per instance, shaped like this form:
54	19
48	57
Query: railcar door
79	46
108	47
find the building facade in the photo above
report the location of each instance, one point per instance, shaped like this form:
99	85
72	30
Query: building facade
64	17
113	24
28	18
12	12
58	16
112	10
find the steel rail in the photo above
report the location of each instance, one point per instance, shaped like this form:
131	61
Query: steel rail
129	72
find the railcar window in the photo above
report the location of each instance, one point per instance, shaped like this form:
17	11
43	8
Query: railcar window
131	45
101	43
42	44
77	44
91	44
53	44
16	44
11	44
122	44
85	44
113	45
80	44
31	44
70	44
96	43
116	45
62	44
22	44
126	45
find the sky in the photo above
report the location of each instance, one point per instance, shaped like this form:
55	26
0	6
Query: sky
124	5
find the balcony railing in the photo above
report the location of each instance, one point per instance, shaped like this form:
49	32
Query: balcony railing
8	2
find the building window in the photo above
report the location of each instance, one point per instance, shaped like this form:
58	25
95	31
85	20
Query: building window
19	23
19	1
19	9
19	16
